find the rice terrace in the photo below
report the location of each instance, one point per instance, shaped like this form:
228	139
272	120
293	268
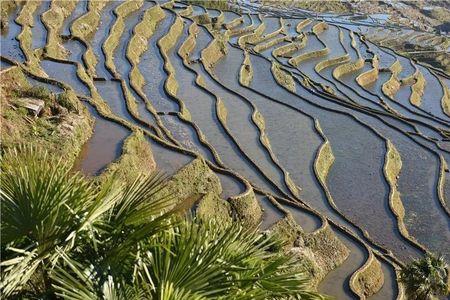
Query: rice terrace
236	149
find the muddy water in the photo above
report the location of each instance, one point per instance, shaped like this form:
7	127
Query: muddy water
106	21
168	161
306	220
104	146
271	214
298	143
389	290
66	73
151	67
230	186
39	32
353	191
9	46
336	283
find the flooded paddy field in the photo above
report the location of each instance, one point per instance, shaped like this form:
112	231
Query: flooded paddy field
318	125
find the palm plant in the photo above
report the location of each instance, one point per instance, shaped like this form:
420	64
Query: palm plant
66	236
426	278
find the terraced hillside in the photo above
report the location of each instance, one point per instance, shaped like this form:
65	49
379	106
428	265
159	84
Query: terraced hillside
294	125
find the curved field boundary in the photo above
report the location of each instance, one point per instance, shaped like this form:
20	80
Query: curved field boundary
320	66
392	169
296	61
104	110
165	44
384	252
356	226
26	20
115	32
188	11
271	43
202	19
234	23
417	90
298	43
391	87
319	27
138	43
260	38
387	109
258	121
252	37
441	185
445	100
246	71
347	68
302	24
53	20
85	26
368	279
282	77
214	51
190	153
237	31
369	76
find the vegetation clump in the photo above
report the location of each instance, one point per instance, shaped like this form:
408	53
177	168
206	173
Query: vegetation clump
426	278
66	236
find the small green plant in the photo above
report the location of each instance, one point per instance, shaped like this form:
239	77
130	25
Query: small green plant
426	278
39	92
64	100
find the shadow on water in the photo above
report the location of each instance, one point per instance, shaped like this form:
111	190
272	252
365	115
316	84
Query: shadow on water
306	220
230	186
389	290
168	161
271	214
104	146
